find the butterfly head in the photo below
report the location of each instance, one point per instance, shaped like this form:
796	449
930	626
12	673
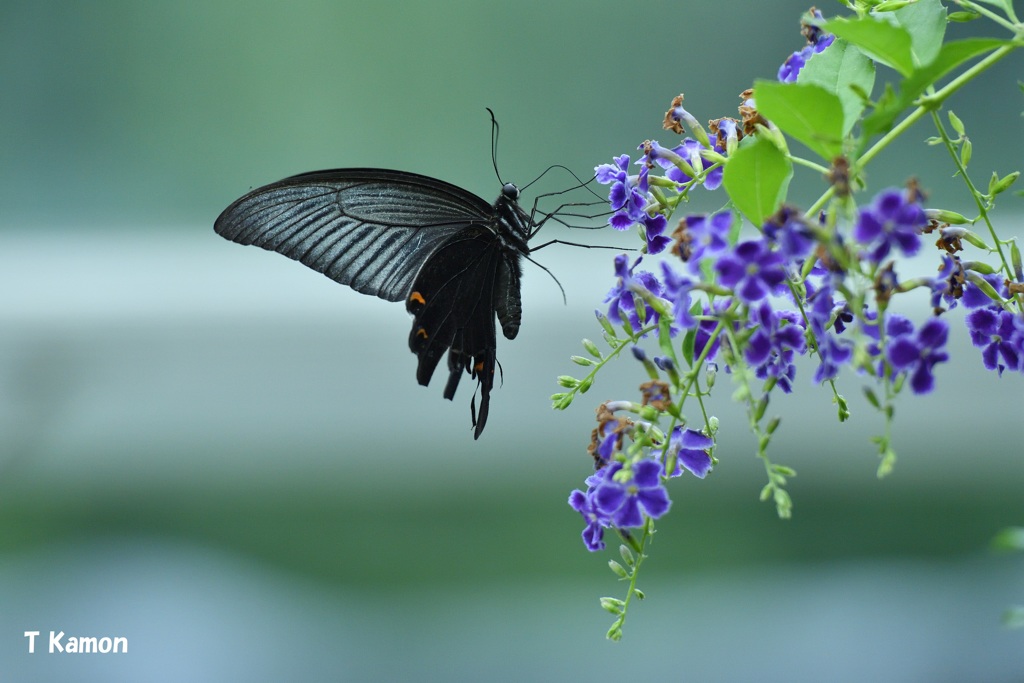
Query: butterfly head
510	191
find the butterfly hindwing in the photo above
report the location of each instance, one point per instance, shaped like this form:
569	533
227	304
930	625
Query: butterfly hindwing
453	303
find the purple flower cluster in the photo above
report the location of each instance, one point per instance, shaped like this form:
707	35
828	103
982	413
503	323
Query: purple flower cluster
802	286
892	221
747	284
619	495
998	332
623	297
627	194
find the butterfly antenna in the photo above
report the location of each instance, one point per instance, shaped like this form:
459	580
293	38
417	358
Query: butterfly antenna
584	184
494	145
560	287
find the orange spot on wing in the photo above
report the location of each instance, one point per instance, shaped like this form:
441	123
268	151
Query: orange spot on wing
479	367
422	333
416	297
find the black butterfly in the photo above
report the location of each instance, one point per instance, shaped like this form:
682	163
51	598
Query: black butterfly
452	257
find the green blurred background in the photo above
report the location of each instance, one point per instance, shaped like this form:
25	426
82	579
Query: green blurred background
226	458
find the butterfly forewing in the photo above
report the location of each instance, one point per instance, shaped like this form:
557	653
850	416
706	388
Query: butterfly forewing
369	229
452	257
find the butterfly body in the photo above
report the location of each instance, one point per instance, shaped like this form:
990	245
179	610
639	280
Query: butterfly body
453	258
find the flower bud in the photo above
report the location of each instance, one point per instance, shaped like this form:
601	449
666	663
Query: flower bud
944	216
997	185
966	150
957	124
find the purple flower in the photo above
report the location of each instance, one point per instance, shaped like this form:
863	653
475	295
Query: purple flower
890	221
752	270
999	335
817	41
627	194
691	448
689	150
620	299
677	290
772	346
975	297
705	328
654	228
790	68
832	352
626	501
919	353
583	503
791	233
948	286
609	434
709	235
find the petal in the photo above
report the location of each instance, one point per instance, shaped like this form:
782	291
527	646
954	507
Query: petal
903	352
750	251
609	497
730	270
759	348
721	222
606	173
921	381
989	358
713	180
593	537
792	336
617	196
647	473
692	439
889	203
909	242
629	514
934	333
697	462
868	228
897	325
655	501
752	289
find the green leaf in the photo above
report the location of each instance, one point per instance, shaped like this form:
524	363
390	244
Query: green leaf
925	23
688	343
880	40
665	338
809	113
842	70
757	177
869	394
950	56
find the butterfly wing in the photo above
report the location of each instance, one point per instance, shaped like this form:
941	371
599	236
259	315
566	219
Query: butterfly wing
399	235
370	229
453	303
